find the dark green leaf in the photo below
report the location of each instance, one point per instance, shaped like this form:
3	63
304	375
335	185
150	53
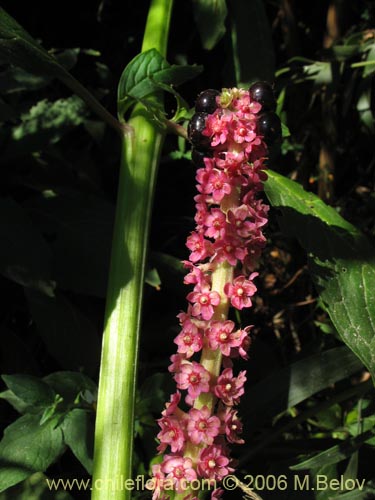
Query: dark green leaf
28	447
341	259
31	390
144	74
24	255
69	385
78	433
210	17
70	337
297	382
19	48
336	453
81	227
46	123
253	52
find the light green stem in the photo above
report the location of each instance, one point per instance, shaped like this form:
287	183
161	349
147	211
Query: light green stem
114	431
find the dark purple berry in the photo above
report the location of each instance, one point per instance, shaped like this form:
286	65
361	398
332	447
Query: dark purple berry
262	92
198	157
195	128
206	101
269	126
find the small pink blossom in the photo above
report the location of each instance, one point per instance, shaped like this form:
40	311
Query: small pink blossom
231	249
172	405
219	185
228	388
190	340
213	463
217	127
199	247
231	425
177	360
240	291
215	222
204	302
158	479
202	428
179	470
171	434
221	336
193	377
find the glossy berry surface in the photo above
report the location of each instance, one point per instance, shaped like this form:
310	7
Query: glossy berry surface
206	101
269	126
262	92
195	128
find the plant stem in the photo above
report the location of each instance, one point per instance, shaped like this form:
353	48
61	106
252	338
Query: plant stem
114	432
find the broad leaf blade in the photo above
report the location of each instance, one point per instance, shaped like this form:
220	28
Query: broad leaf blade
32	390
78	435
28	447
210	17
342	263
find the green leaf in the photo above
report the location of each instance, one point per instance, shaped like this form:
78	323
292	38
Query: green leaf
341	261
19	48
336	453
31	390
81	227
253	53
210	17
70	337
25	257
28	447
46	123
70	385
295	383
35	487
78	433
144	75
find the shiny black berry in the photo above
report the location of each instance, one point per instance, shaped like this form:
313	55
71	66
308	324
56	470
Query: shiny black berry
195	128
269	126
198	157
262	92
206	101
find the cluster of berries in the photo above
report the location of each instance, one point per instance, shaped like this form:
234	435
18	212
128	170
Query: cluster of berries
227	134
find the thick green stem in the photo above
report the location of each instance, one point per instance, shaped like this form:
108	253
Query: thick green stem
114	432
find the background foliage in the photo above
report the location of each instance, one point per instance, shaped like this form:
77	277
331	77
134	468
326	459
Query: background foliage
309	391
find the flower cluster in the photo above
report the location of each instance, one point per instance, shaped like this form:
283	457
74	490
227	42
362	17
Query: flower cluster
224	250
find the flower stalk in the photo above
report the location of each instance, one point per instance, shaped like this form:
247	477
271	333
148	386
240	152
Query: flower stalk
141	148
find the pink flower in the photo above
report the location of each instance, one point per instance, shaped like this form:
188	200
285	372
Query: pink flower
232	425
221	336
228	388
242	132
180	470
190	340
231	249
238	218
158	479
204	302
177	360
199	247
201	426
171	434
219	184
193	377
213	463
215	222
171	406
240	291
217	127
217	494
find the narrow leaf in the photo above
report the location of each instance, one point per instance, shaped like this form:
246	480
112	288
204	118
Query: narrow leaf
341	261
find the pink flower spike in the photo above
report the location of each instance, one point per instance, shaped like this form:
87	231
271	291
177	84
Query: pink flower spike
201	426
193	377
204	302
228	388
240	291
